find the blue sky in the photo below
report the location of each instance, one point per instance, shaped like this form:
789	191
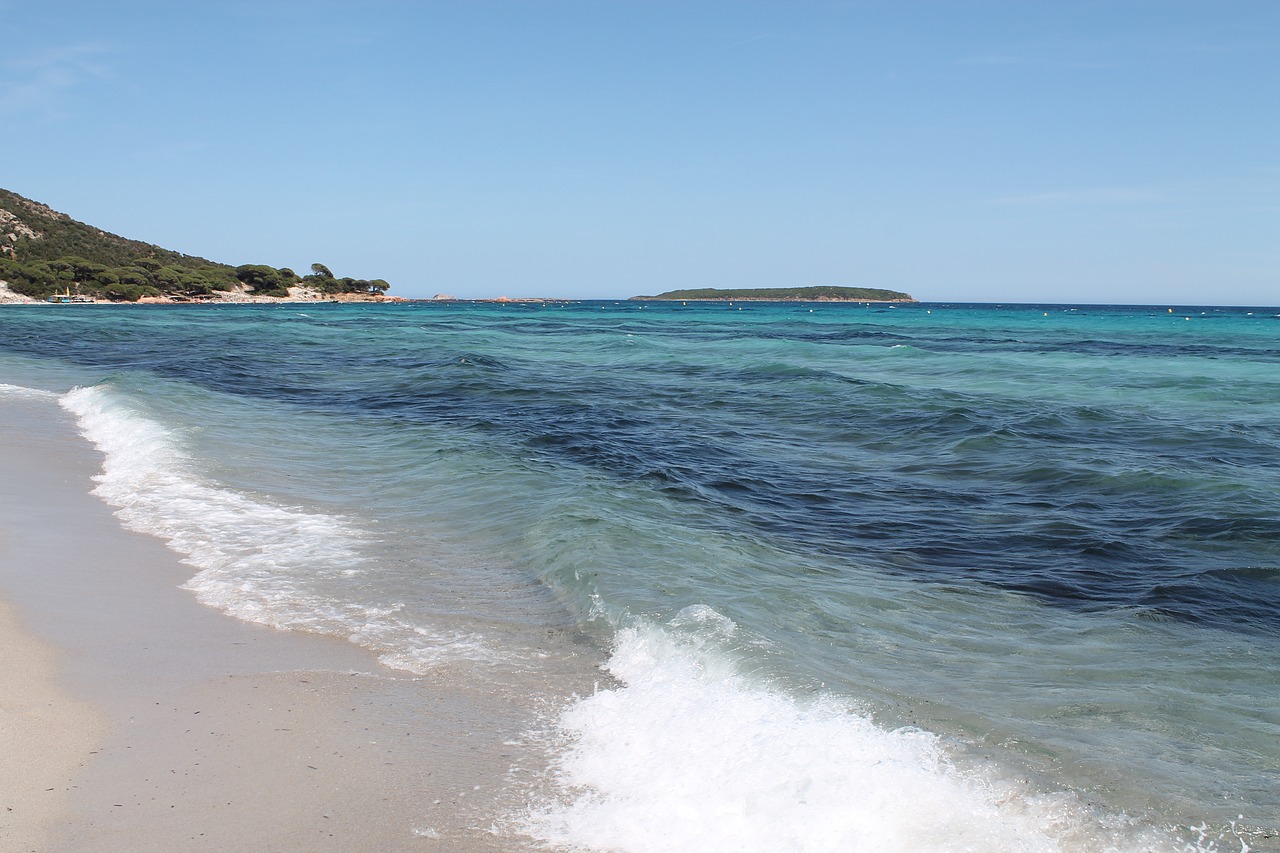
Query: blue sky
1080	151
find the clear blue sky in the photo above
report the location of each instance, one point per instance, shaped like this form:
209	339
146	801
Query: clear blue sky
1074	151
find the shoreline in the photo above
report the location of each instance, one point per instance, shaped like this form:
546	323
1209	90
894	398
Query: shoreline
301	296
178	727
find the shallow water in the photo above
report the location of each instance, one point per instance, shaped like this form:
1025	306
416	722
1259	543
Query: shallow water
1012	565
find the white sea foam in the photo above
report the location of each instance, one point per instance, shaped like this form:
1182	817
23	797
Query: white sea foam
687	755
29	393
256	560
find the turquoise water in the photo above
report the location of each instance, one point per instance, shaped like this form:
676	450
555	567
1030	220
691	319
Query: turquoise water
869	577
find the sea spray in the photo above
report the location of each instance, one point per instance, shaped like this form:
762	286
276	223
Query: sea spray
256	559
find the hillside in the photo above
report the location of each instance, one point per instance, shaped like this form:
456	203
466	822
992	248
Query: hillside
43	252
787	294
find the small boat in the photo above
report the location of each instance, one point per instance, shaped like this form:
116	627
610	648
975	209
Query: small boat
69	298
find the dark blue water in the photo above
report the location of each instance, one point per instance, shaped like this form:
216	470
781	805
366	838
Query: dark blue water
1157	493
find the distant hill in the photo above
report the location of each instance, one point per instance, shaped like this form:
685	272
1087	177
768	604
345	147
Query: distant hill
43	252
787	294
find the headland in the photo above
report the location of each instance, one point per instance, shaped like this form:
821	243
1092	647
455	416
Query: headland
46	256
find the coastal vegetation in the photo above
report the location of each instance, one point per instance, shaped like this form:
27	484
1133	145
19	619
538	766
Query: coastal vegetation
44	252
822	293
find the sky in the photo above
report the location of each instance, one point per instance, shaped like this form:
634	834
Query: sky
1032	151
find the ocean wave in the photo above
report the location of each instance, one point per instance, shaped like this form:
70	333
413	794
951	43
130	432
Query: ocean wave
687	754
257	560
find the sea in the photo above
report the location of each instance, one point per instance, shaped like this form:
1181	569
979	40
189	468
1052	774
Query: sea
849	577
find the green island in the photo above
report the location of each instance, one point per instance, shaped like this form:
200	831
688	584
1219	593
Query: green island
822	293
48	256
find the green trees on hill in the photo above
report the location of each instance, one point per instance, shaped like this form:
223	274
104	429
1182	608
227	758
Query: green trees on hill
141	277
265	280
129	282
43	252
268	281
326	282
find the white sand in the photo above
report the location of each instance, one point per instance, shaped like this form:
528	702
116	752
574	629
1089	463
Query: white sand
48	737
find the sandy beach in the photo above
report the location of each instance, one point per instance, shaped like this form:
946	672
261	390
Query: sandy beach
137	719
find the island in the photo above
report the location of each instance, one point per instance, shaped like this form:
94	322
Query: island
822	293
46	256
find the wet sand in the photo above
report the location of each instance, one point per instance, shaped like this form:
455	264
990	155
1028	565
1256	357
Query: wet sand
148	722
